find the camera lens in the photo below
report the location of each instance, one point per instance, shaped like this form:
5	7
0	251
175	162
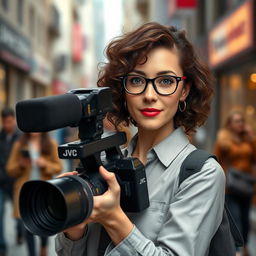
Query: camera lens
55	205
49	207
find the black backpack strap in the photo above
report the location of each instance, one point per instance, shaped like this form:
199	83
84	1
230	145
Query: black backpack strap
193	163
239	241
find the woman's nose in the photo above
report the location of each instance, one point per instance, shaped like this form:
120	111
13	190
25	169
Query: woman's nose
150	92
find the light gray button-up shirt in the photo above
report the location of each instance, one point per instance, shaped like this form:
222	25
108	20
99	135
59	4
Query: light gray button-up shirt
179	221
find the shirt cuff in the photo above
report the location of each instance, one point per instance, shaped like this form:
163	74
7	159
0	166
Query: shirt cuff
65	246
132	244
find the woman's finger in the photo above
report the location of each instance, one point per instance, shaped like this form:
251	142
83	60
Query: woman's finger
67	174
110	178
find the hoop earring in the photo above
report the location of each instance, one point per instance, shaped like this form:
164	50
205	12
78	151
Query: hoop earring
182	108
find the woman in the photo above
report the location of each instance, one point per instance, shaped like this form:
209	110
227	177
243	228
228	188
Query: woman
34	156
159	85
235	147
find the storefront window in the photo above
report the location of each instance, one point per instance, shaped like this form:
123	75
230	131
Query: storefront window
238	93
20	7
38	90
251	96
20	86
5	4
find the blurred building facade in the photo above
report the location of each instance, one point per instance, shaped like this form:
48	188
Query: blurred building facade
135	13
232	56
68	47
25	39
102	21
228	31
41	48
224	33
51	46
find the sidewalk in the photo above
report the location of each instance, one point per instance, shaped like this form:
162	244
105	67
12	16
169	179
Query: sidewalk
253	218
252	237
15	250
10	233
10	236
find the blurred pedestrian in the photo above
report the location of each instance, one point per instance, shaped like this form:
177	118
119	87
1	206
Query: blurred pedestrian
160	85
8	135
34	156
235	150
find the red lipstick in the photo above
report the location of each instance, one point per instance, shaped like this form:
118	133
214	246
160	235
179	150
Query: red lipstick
150	112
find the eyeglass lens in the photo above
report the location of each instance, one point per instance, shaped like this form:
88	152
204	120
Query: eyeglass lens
163	84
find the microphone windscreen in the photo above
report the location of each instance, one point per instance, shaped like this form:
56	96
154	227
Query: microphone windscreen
48	113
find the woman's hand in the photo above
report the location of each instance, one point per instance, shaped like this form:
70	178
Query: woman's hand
24	162
107	210
106	206
41	162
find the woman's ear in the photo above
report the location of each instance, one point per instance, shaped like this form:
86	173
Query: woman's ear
185	91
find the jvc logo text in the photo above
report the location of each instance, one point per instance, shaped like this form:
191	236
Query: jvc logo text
70	152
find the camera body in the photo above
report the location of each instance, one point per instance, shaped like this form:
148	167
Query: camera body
129	171
49	207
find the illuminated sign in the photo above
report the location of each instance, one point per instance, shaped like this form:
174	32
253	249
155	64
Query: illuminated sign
77	43
186	3
232	36
175	6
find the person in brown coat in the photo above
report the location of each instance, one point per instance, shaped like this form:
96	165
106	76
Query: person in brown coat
33	157
235	147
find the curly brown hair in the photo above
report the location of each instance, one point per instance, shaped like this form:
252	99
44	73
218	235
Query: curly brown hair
125	52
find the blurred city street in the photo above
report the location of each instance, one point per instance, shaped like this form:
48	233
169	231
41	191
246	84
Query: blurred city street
21	250
51	47
252	238
10	235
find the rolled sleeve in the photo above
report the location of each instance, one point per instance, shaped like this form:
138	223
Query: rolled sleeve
134	244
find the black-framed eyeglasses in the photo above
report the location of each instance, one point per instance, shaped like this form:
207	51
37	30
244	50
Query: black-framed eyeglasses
164	85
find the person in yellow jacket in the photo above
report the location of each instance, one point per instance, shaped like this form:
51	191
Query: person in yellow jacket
33	157
235	147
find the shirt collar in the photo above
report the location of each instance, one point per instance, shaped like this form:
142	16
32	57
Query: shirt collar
168	149
131	145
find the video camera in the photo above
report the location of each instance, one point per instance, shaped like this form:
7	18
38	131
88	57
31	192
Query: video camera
49	207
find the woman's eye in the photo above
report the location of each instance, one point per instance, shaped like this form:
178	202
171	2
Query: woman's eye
136	80
167	81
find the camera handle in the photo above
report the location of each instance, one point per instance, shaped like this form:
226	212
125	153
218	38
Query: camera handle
89	153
